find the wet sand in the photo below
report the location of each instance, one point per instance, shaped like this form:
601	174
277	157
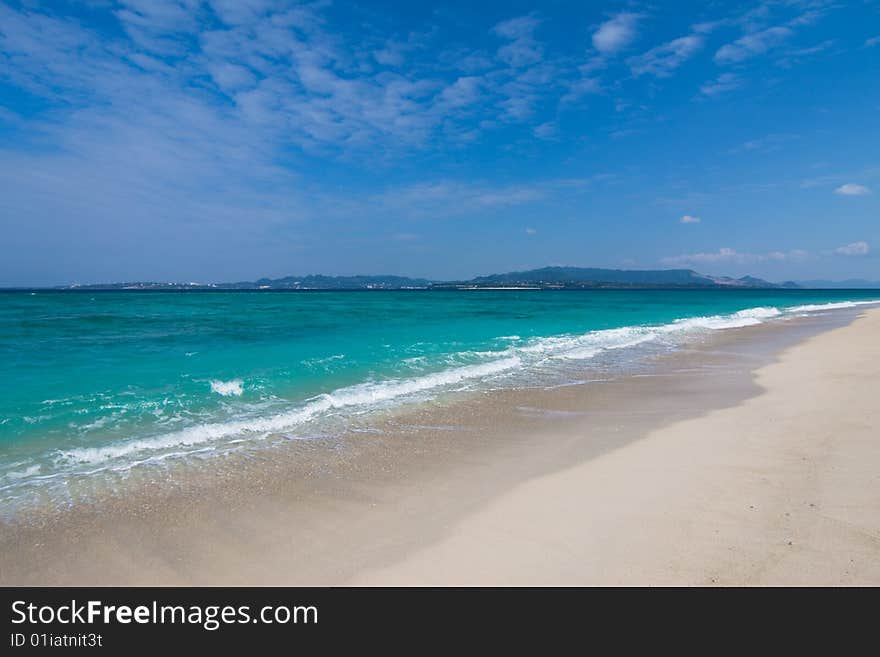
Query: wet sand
751	458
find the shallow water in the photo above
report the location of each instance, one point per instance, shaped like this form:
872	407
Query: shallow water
96	384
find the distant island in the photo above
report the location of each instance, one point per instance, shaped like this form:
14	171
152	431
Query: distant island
552	278
590	278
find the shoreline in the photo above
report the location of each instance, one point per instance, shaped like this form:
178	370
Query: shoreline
781	489
369	511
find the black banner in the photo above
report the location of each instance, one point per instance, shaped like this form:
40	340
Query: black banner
123	619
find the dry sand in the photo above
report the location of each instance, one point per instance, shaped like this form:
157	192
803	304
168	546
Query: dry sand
782	489
633	481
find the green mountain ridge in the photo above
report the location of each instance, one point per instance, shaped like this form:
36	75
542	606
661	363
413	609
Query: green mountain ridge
580	277
543	278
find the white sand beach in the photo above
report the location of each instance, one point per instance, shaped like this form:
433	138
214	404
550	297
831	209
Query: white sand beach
781	489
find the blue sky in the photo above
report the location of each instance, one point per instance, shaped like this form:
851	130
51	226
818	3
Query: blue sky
216	140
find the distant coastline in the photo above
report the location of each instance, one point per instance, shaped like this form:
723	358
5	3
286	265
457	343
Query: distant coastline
546	278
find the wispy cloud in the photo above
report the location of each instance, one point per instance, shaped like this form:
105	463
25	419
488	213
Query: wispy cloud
752	44
767	144
583	85
765	31
616	34
664	59
732	256
688	219
443	198
722	84
798	55
854	249
523	49
840	179
545	130
448	198
852	189
281	72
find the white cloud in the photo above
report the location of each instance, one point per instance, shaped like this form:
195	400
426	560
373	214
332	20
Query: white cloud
706	27
517	28
854	249
281	74
523	48
766	144
466	90
545	130
752	44
237	12
446	198
581	87
852	189
722	255
722	84
873	41
664	59
616	33
688	219
531	231
231	77
526	79
395	53
731	256
798	55
760	37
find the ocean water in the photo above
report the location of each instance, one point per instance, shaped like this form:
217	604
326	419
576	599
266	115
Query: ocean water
101	384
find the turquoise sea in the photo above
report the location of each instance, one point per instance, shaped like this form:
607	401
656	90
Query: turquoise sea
97	384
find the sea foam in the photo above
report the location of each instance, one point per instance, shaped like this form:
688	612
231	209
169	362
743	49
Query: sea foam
228	388
365	394
830	306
